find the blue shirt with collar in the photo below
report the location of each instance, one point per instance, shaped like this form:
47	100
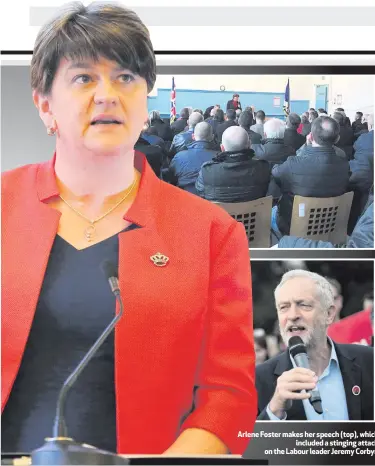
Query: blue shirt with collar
332	392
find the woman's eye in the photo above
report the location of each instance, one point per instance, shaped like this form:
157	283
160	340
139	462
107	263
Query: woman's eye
82	79
126	78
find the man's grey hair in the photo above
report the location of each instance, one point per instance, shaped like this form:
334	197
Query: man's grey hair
323	287
203	132
274	128
194	119
235	139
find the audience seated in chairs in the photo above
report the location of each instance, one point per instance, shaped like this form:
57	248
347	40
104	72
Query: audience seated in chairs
234	175
163	129
245	121
230	118
260	118
179	125
182	140
185	165
346	134
317	173
291	137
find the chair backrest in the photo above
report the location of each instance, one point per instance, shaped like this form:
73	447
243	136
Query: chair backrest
324	219
256	218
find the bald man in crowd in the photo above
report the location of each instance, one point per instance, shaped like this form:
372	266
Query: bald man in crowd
343	374
235	175
182	140
185	165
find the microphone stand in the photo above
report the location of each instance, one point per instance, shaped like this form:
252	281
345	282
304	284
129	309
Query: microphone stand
61	449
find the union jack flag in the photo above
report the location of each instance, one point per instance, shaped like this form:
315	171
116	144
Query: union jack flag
173	102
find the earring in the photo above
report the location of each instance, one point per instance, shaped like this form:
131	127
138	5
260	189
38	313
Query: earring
51	131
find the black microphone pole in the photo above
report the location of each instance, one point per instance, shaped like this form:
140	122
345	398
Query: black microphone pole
61	449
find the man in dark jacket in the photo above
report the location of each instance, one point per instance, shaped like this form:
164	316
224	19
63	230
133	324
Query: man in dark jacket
182	140
358	126
291	137
318	173
362	165
163	129
273	150
235	103
245	121
258	127
185	166
346	135
179	125
154	154
229	121
235	175
216	120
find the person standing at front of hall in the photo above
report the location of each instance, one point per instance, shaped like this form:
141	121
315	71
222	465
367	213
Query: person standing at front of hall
234	103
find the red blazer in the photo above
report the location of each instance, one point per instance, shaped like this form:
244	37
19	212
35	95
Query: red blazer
186	324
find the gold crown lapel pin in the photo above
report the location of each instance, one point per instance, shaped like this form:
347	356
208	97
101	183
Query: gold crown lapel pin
159	259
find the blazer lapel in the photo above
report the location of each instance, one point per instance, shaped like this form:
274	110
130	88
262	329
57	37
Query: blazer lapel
351	375
29	229
296	412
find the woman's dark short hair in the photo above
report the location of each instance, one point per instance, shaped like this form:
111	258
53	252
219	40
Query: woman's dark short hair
235	95
325	131
219	115
106	30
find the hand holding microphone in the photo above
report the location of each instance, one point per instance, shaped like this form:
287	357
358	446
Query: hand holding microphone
291	383
288	388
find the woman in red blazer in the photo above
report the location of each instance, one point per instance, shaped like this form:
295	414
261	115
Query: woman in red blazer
182	356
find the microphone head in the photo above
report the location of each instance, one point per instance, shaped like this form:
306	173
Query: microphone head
109	269
296	346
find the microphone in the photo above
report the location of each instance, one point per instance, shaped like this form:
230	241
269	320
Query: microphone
298	351
60	449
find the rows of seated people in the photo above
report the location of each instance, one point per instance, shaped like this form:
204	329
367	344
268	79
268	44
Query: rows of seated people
243	156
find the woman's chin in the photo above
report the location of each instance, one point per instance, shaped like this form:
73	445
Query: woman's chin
106	145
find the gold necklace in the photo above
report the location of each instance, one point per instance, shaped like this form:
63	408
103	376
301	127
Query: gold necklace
90	231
